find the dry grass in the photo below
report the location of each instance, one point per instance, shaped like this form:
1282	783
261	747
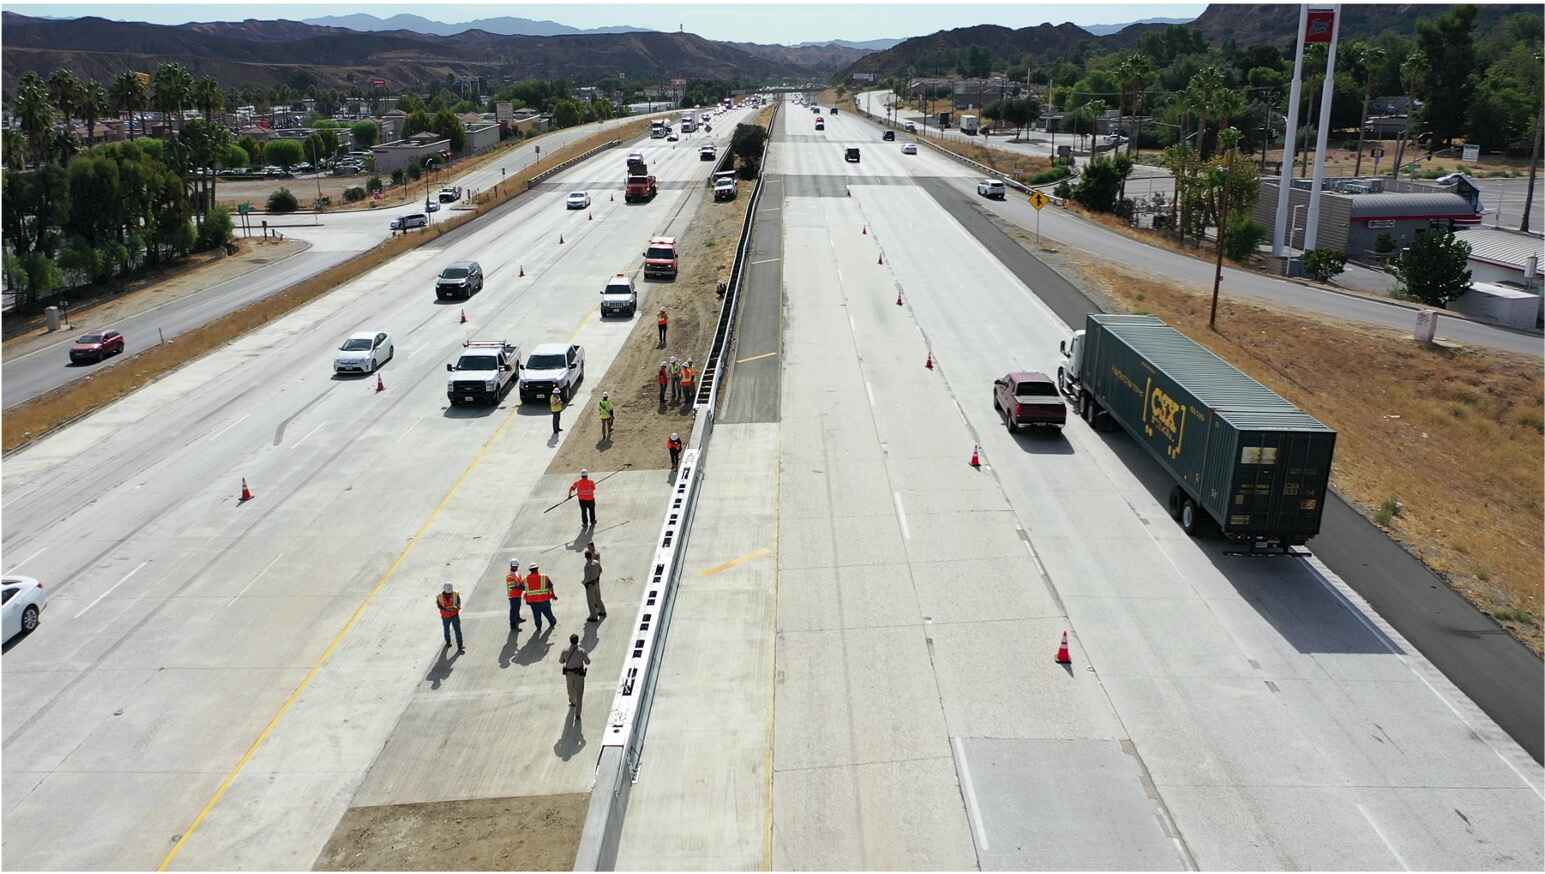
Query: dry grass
30	421
1009	165
1203	251
1440	446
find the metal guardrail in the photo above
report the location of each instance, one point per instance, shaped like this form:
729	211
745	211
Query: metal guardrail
567	163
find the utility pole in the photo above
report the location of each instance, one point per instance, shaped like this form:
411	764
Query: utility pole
1285	183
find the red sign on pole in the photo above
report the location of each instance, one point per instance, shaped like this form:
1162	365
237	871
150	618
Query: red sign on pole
1320	24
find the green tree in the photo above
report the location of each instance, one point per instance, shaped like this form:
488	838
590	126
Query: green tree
254	149
365	133
36	115
1324	264
93	105
374	184
65	91
285	153
1369	61
447	125
417	122
1434	269
1449	44
1100	184
217	229
282	200
748	141
235	156
565	113
127	94
976	62
173	88
207	96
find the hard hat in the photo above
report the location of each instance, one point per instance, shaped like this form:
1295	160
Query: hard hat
675	436
514	564
606	395
448	588
584	471
532	568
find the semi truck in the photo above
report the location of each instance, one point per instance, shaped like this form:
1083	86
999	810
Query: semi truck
1240	456
968	125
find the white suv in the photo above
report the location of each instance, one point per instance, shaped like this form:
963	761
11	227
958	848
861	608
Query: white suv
619	298
992	188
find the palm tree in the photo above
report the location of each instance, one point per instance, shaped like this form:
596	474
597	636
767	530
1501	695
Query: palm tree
1214	102
64	89
1413	72
173	87
93	105
1370	59
36	115
1219	180
128	95
208	97
1133	72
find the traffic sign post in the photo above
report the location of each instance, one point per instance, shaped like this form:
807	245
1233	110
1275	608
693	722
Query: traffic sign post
1038	199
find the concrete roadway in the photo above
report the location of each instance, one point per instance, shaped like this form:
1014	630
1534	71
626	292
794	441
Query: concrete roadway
875	643
333	237
241	674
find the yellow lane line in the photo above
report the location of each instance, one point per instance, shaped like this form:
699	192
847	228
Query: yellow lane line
750	556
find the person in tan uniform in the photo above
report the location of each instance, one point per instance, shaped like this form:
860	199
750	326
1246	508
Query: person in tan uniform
592	582
575	662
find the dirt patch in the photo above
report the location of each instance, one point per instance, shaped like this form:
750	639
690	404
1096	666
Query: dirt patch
37	417
1439	446
150	291
692	303
1009	165
1341	162
539	833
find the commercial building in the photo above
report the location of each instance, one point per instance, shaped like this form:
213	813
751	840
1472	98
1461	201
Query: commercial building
481	137
391	124
1355	213
415	150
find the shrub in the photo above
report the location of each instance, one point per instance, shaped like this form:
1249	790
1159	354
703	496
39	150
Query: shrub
414	172
1322	264
282	201
1435	268
218	228
374	184
398	176
353	194
1063	190
749	168
1244	236
1098	187
1384	244
1060	171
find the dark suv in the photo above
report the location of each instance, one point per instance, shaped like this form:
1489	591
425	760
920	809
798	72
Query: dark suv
889	136
852	155
461	279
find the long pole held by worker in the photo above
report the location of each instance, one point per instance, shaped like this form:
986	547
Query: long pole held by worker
597	482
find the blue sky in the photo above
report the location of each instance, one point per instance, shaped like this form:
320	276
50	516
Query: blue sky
783	23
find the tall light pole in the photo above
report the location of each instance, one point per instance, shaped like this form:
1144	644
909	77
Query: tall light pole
1327	92
1285	183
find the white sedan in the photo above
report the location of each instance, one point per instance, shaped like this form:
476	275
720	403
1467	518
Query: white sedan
578	200
364	352
24	601
909	148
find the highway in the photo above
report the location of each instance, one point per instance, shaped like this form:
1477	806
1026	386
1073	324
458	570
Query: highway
215	683
334	237
871	622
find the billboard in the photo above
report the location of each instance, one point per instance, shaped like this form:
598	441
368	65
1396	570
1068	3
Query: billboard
504	111
1321	24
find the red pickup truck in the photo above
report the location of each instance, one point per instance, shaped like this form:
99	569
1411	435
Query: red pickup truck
1028	398
639	188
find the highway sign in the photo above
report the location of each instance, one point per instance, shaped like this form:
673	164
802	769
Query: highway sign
1038	199
244	208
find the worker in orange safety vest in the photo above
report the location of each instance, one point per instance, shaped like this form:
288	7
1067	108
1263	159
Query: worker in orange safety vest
515	587
584	488
539	597
673	446
688	382
449	602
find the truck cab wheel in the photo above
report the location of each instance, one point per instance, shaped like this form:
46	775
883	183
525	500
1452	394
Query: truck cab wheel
1190	519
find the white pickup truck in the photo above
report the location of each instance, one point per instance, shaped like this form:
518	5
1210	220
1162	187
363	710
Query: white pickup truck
483	373
552	368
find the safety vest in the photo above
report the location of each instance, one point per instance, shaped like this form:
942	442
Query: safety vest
555	401
662	320
676	369
514	584
585	488
604	407
450	605
538	589
688	376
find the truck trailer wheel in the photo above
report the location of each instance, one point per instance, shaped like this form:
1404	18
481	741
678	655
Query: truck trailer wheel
1176	498
1190	519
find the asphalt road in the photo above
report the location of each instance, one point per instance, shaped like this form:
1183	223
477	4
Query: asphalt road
895	703
223	680
334	237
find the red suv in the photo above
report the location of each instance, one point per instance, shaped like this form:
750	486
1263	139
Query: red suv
1028	398
95	347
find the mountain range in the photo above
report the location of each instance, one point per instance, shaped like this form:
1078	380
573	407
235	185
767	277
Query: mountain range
505	25
1108	29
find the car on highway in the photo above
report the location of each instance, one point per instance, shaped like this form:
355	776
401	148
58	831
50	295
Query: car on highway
725	189
672	137
577	200
483	373
993	189
851	156
618	297
911	127
449	194
909	148
459	279
888	136
707	153
431	206
95	346
416	220
24	600
660	258
1028	398
820	123
364	352
552	368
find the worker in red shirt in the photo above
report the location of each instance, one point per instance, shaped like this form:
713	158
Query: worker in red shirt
584	488
673	446
662	321
664	379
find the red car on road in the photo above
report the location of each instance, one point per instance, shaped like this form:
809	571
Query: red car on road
1028	398
95	347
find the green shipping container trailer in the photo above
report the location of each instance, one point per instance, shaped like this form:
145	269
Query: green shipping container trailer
1255	463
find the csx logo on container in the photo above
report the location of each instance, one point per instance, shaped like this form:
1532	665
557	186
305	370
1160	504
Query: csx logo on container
1164	411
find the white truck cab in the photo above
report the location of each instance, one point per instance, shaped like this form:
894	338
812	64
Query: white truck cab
483	373
552	368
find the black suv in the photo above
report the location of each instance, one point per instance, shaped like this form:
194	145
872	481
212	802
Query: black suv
461	279
852	155
889	136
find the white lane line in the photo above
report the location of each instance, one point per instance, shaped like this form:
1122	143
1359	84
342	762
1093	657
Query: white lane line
17	566
765	261
111	588
230	426
1380	832
296	444
901	516
869	390
411	427
262	573
968	789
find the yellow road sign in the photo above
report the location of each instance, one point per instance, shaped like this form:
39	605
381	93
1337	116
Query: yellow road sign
1039	199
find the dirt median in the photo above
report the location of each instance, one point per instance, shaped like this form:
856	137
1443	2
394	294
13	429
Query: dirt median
538	833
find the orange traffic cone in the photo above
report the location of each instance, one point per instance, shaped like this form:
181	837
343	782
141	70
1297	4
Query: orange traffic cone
882	258
560	239
463	315
611	198
866	230
898	298
246	493
589	217
522	270
1062	651
929	363
976	457
380	386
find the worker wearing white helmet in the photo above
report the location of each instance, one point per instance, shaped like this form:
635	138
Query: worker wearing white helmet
673	445
584	488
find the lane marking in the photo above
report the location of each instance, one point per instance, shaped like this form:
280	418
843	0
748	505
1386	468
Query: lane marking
755	357
332	646
1380	832
17	566
869	390
261	574
765	261
411	427
229	427
296	444
736	562
901	515
110	589
973	810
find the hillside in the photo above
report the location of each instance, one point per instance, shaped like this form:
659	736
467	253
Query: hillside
505	25
817	57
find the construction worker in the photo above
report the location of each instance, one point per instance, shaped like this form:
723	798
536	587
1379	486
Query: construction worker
688	381
555	404
593	583
664	379
603	408
584	487
515	587
574	662
675	380
449	602
723	287
662	321
539	597
673	446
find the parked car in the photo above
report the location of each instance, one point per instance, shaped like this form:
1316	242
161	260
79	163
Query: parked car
459	279
95	346
909	148
1025	398
364	352
660	258
552	368
852	155
416	220
577	200
888	136
993	189
725	189
24	600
